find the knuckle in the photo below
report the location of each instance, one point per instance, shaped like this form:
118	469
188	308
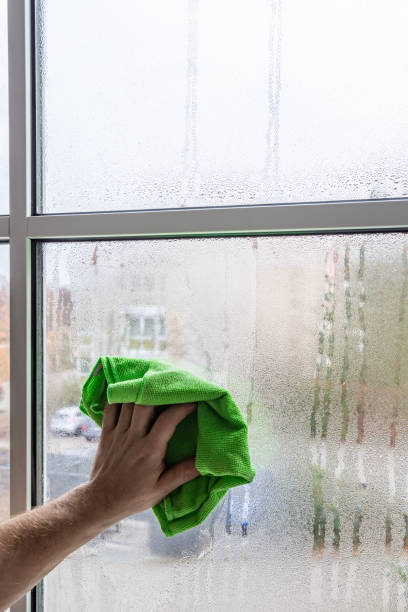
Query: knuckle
154	450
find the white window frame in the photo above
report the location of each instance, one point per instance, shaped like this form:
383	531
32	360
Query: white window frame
24	230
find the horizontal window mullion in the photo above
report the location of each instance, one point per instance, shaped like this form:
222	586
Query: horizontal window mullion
371	215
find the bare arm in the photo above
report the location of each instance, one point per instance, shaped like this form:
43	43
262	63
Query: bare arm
128	476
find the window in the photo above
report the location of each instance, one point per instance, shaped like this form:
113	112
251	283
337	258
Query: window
320	325
162	330
148	327
134	327
243	170
85	338
84	365
269	104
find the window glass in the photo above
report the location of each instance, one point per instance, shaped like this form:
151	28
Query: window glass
148	327
4	383
4	143
84	365
310	335
162	326
191	103
135	327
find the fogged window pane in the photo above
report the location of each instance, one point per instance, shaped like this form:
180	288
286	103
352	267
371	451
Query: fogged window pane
215	102
310	334
4	384
4	144
135	327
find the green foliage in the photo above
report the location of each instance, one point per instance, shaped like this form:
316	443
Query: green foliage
319	520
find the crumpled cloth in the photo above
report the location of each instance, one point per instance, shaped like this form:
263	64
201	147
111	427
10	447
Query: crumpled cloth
216	433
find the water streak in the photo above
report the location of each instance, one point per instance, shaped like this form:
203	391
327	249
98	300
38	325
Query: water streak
271	170
400	344
331	281
346	359
254	293
344	405
326	338
190	151
361	404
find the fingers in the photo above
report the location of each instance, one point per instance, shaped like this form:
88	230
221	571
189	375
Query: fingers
122	417
117	416
125	417
139	418
177	475
110	416
166	424
142	419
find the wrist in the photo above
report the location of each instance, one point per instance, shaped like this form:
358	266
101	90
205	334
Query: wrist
99	507
91	508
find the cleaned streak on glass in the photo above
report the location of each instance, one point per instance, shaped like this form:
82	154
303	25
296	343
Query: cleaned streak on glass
358	515
319	463
271	171
346	358
331	280
326	337
190	159
344	404
318	367
344	426
250	402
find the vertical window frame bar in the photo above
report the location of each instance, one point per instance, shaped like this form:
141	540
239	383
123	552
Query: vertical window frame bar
19	68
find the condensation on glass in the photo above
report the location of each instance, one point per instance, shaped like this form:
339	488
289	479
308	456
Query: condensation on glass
193	102
310	335
4	143
4	383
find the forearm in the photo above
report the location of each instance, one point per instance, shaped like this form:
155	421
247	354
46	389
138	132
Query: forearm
128	476
32	544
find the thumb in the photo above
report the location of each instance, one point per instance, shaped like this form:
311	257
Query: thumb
177	475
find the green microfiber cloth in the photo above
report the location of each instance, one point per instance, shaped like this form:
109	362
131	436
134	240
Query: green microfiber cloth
215	433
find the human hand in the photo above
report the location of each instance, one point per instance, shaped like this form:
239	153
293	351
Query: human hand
129	474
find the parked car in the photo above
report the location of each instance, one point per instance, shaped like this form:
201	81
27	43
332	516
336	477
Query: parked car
70	421
91	430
